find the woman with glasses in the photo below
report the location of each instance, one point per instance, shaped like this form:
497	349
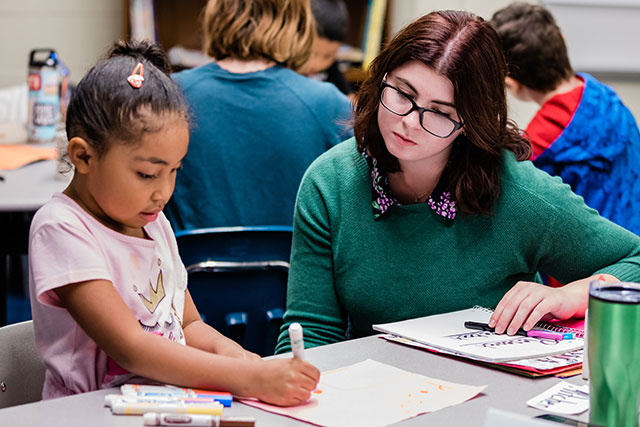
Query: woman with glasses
432	207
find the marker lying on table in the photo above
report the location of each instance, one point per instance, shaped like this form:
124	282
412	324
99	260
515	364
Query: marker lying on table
534	333
156	419
173	393
110	398
297	343
120	407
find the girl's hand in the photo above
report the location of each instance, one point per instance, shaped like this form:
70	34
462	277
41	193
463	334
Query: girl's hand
527	303
238	353
229	348
284	382
247	355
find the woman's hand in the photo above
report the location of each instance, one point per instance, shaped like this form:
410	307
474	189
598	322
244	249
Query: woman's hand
527	303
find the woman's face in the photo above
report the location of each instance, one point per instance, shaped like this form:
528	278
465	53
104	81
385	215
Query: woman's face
404	136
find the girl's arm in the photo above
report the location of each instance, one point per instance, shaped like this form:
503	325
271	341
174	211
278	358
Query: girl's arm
98	308
527	303
200	335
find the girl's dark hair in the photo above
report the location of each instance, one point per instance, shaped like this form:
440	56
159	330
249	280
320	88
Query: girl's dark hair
466	50
104	106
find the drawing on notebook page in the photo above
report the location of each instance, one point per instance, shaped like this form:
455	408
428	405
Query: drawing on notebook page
560	365
446	332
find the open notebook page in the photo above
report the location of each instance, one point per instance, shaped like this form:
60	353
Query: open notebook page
447	333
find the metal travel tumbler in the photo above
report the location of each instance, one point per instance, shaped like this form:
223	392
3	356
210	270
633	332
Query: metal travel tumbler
614	353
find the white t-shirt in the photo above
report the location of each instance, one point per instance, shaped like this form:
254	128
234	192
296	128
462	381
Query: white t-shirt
68	245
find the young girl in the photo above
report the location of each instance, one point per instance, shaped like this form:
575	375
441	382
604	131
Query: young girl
431	209
108	289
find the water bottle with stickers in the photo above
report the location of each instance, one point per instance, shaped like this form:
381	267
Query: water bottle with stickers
44	95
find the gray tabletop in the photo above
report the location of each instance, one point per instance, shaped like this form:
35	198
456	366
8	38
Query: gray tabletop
27	188
505	391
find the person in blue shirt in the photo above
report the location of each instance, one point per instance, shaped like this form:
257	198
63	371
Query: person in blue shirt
582	132
257	124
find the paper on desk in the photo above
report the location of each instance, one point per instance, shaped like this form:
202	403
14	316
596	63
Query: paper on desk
563	398
447	332
371	393
15	156
538	364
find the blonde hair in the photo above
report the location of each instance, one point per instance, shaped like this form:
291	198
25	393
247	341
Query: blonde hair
280	30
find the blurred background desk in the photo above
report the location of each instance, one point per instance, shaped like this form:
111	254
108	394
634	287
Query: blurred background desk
505	391
22	192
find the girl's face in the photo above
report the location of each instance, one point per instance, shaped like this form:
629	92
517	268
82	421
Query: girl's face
404	136
129	185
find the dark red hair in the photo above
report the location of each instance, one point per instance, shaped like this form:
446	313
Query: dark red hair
466	50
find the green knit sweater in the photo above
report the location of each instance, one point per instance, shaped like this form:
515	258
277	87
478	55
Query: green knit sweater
349	271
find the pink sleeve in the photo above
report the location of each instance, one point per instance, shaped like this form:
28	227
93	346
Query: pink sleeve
61	254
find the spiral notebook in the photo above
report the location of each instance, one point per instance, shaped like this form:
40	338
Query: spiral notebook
561	365
446	333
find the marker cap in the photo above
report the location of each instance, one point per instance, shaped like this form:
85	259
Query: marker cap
150	419
295	329
297	343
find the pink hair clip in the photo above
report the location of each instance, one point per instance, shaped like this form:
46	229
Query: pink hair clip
137	76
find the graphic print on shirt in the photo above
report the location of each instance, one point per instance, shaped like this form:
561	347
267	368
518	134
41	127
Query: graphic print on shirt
175	314
165	322
155	295
174	328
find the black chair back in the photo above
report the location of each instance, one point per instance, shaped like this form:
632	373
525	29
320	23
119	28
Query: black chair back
238	280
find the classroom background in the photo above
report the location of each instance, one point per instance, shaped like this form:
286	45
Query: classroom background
601	35
81	31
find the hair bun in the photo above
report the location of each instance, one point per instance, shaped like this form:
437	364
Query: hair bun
142	50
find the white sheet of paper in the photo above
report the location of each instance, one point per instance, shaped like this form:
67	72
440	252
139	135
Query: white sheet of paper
563	398
371	393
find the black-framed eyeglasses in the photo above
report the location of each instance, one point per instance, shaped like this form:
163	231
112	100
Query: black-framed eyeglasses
399	103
